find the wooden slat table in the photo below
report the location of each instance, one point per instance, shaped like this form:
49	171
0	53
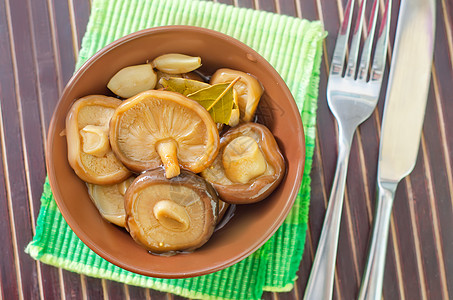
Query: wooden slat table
39	45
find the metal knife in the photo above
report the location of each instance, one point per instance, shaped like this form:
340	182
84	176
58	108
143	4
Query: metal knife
402	122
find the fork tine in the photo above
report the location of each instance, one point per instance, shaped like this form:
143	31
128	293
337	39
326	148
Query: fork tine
342	41
354	50
366	53
378	67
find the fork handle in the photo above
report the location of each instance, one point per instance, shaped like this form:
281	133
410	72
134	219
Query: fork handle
373	276
320	283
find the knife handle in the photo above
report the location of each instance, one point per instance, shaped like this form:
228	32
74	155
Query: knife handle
373	276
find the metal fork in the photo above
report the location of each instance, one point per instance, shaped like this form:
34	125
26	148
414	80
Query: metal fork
351	99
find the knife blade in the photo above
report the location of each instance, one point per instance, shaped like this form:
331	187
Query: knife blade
402	122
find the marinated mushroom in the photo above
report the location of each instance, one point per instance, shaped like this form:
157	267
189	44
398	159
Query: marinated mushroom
109	200
249	165
89	152
173	214
165	128
248	88
158	132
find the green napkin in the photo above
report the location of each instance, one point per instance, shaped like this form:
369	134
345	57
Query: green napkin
293	46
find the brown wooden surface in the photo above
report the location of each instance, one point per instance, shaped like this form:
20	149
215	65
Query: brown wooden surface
39	42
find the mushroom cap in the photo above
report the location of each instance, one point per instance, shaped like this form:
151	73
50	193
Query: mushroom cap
223	207
93	111
194	198
109	200
153	118
258	188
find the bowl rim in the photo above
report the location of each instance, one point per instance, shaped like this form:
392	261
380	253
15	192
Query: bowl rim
56	191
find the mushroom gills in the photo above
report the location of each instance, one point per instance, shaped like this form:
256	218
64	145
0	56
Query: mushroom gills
158	128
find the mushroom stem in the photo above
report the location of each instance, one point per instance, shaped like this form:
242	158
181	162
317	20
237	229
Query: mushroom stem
171	215
243	160
167	151
95	140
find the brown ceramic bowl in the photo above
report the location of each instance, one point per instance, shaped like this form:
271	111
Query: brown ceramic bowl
251	226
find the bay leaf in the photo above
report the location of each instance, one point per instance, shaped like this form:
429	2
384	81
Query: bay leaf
182	85
218	99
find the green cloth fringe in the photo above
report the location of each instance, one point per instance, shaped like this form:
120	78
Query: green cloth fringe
294	47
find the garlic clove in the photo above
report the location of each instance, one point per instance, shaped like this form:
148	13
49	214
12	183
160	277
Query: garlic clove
175	63
132	80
